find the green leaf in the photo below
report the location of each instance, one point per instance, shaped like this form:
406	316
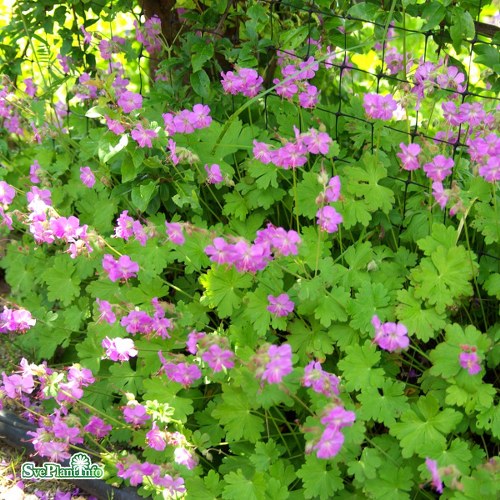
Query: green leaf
265	175
235	415
165	391
357	367
424	428
308	190
385	407
222	287
201	52
332	306
200	83
256	311
235	205
424	323
265	454
61	282
367	465
434	13
364	182
486	221
462	27
371	299
444	277
141	195
320	478
239	487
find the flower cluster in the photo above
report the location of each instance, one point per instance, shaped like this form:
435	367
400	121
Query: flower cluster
119	349
149	34
390	336
485	155
379	106
246	257
136	472
126	227
212	349
186	122
293	153
122	268
280	305
295	79
328	218
182	373
245	81
320	381
137	321
334	418
15	320
273	363
409	156
469	360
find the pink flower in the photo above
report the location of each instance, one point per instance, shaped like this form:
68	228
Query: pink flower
218	359
316	142
119	349
320	381
87	176
309	98
390	336
379	106
408	156
246	81
174	233
135	414
14	385
491	171
7	193
30	87
123	268
201	116
114	126
34	169
98	427
329	219
280	305
15	320
183	456
439	168
330	443
129	101
432	467
214	174
156	439
439	194
469	360
143	136
279	364
332	192
182	373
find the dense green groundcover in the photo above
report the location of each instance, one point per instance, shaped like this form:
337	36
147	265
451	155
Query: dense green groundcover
253	247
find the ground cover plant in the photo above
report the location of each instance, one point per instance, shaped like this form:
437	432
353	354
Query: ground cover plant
256	257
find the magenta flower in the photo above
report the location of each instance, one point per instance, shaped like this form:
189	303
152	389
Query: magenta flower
332	192
129	101
432	467
143	136
408	156
214	174
246	81
390	336
183	456
280	305
338	417
119	349
440	194
135	414
279	364
15	320
439	168
174	233
262	152
379	106
285	242
316	142
14	385
30	87
491	171
469	360
34	169
201	116
114	126
218	359
320	381
98	427
156	439
182	373
7	193
309	98
192	342
87	176
123	268
329	219
330	443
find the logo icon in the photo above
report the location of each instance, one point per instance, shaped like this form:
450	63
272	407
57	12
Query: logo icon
80	467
